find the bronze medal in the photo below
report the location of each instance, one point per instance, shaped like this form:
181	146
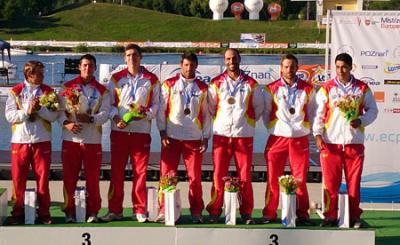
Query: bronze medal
186	111
292	110
231	100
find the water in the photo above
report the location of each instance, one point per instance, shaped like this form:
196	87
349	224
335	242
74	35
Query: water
55	75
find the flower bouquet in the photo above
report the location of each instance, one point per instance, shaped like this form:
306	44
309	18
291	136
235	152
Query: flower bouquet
172	199
135	111
288	196
231	189
50	101
75	102
348	106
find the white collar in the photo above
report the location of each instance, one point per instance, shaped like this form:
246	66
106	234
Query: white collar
30	85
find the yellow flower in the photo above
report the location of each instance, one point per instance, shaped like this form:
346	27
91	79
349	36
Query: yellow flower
288	183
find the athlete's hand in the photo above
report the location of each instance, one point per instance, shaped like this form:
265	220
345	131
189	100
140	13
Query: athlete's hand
204	145
119	122
164	139
34	106
355	123
319	142
72	126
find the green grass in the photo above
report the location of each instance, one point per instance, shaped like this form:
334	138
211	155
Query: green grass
110	22
2	190
385	223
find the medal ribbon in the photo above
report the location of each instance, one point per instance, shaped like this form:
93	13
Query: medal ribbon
134	83
292	92
233	92
188	95
91	98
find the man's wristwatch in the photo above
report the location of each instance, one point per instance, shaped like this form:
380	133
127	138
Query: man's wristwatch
91	119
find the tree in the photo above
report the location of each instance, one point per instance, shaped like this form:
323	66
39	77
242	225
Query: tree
181	7
199	8
391	5
162	5
11	10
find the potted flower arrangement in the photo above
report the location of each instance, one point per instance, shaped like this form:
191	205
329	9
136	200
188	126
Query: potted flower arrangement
231	189
172	198
288	196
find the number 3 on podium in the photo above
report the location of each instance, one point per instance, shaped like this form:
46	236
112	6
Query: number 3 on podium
274	239
86	239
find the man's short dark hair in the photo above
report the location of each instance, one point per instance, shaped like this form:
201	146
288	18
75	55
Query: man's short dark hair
87	57
189	56
346	58
135	47
289	57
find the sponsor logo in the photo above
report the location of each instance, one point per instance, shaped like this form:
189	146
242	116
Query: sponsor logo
369	67
370	81
374	53
199	76
391	68
396	98
391	82
392	110
390	23
367	21
346	49
303	74
316	76
379	96
392	20
270	75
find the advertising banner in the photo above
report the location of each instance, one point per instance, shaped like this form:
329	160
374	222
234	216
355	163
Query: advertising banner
252	37
372	39
203	72
314	74
264	74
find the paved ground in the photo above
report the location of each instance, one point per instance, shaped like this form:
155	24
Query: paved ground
259	189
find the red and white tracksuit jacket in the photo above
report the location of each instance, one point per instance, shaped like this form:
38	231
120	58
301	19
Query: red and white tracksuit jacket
84	147
134	140
287	115
30	145
233	129
185	132
344	145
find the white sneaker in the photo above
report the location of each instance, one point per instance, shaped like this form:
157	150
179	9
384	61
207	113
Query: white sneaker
141	218
92	219
111	216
